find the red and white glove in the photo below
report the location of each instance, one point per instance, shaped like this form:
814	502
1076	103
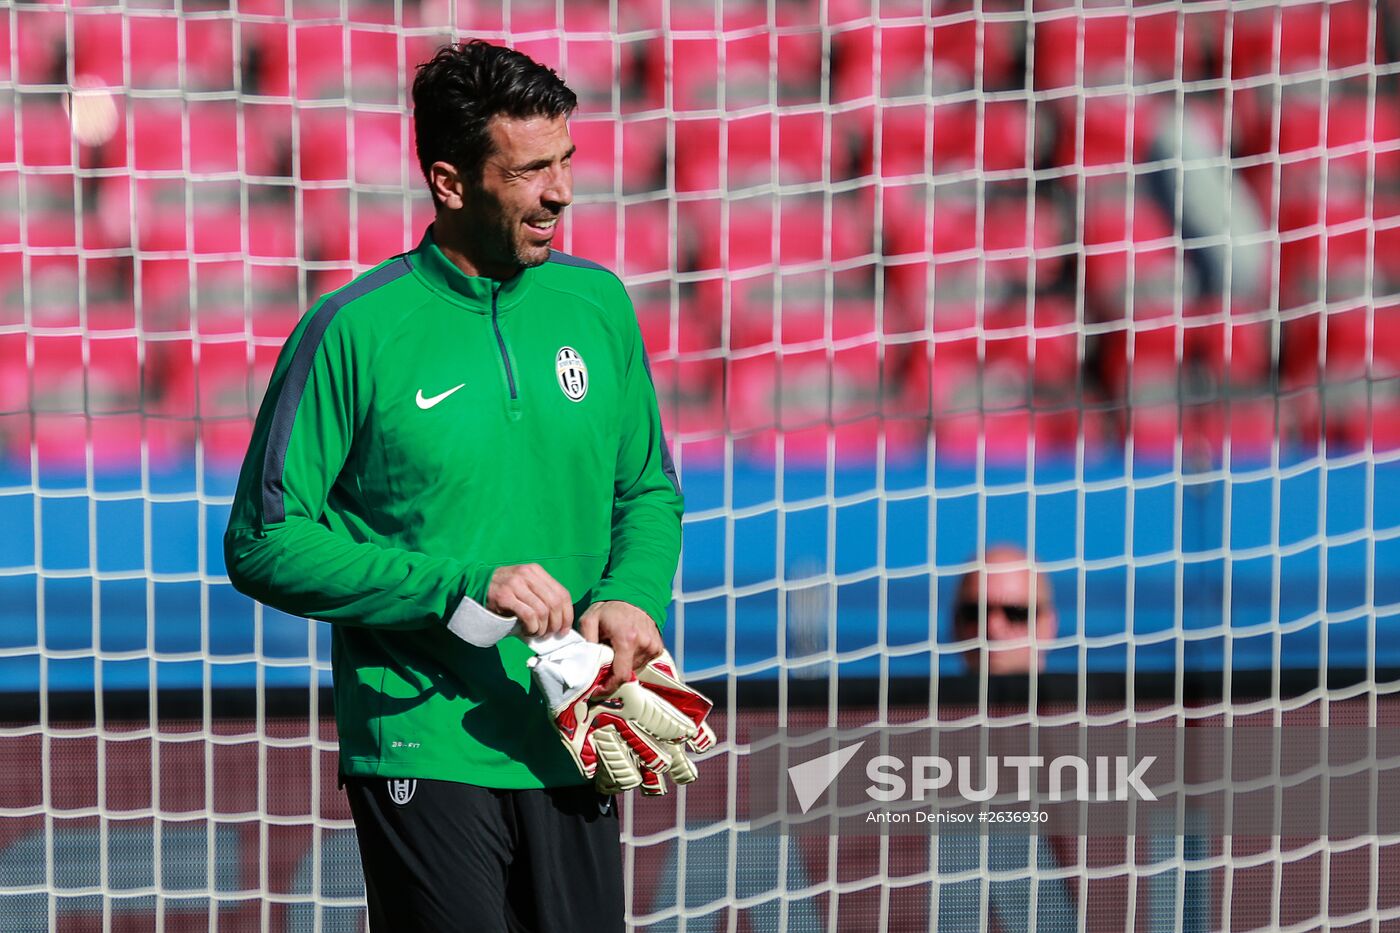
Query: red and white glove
661	677
617	739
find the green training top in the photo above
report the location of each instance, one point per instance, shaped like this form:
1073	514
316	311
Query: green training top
422	428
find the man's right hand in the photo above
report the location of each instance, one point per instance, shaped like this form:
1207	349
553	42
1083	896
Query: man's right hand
529	593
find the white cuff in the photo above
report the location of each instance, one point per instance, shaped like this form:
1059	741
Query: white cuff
476	625
568	669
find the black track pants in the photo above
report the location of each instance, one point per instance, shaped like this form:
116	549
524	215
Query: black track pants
440	856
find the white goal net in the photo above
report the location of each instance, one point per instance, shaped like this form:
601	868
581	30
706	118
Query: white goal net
1115	286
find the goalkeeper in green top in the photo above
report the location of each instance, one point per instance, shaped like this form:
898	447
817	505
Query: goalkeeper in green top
463	445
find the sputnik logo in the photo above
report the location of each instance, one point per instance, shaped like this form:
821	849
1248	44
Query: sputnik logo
811	778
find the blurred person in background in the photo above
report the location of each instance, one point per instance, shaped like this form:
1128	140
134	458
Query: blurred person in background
1014	600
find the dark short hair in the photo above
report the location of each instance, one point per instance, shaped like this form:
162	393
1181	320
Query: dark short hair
463	86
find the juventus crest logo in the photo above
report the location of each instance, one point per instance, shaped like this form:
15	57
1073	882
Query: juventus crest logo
572	373
401	791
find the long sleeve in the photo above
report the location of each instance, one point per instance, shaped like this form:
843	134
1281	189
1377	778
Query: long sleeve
280	547
647	504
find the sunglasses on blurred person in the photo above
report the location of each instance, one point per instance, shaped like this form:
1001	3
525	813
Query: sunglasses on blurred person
1017	614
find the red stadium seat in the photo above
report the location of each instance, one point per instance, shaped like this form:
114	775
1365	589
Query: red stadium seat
764	231
217	223
211	61
376	65
1145	246
202	136
1306	277
11	220
320	62
900	72
46	138
792	310
214	143
53	298
272	227
79	394
381	232
266	49
749	154
689	393
218	308
159	209
957	134
381	146
590	71
937	243
1229	352
1094	50
686	365
1117	130
1300	30
805	397
1352	135
324	143
214	399
153	51
276	304
267	139
1001	402
329	240
1245	426
38	44
158	134
1354	378
99	46
50	218
642	160
694	77
646	243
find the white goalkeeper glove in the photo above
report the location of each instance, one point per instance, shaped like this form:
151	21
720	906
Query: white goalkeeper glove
616	739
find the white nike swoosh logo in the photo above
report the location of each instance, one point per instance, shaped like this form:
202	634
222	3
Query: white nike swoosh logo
426	403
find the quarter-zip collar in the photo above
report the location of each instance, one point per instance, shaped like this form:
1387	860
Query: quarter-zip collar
473	292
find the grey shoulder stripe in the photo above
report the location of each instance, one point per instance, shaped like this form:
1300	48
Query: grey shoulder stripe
668	466
294	386
567	259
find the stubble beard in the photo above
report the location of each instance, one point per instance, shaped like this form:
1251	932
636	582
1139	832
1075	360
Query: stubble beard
528	255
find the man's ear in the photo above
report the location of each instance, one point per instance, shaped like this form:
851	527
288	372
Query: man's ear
447	185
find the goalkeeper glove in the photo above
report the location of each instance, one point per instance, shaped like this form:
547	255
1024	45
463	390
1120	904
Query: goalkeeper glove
615	739
661	677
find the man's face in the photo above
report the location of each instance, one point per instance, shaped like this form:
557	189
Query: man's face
1011	612
525	185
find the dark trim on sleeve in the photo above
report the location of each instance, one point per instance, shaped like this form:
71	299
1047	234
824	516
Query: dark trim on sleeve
568	259
668	466
279	435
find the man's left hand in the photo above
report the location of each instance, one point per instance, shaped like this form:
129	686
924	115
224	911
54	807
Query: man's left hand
629	631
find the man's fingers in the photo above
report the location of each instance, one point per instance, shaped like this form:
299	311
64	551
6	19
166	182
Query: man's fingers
559	605
566	603
588	624
531	610
561	609
528	592
553	592
624	662
650	648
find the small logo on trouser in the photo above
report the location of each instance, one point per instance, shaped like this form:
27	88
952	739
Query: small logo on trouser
604	804
401	791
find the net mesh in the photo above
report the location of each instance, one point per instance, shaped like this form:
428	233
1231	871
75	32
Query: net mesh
1119	285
